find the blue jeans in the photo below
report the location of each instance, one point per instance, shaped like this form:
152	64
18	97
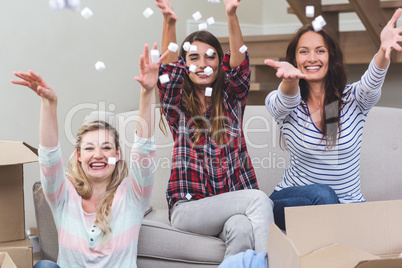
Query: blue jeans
46	264
315	194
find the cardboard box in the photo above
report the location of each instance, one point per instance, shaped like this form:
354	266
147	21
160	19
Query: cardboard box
6	261
20	252
362	235
12	157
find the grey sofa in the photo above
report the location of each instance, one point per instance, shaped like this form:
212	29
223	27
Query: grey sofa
160	245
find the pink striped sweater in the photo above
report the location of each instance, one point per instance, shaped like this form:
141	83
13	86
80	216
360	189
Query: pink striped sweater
78	237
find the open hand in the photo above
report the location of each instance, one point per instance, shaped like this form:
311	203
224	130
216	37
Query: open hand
37	84
285	70
149	71
167	10
390	36
231	6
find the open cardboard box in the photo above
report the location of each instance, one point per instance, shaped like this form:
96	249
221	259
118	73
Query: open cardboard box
12	157
358	235
19	251
6	261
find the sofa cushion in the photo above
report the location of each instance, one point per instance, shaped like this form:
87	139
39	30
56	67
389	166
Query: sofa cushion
381	154
49	247
159	240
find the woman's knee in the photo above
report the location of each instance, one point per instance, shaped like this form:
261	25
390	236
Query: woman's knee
262	198
46	264
238	234
325	194
238	225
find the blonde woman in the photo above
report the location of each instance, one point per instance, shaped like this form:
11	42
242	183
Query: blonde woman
99	204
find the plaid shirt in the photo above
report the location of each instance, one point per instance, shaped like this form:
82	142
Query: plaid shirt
207	169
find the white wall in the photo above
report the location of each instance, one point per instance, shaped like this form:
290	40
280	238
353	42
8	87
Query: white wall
63	47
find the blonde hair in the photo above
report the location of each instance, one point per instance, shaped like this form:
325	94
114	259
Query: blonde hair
84	186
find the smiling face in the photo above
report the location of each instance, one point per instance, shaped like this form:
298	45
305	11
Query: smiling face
96	148
201	60
312	56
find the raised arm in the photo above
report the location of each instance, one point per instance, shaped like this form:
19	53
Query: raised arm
390	36
148	79
235	35
48	128
169	28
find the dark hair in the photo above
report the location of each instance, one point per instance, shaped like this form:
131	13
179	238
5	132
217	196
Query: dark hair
335	83
190	99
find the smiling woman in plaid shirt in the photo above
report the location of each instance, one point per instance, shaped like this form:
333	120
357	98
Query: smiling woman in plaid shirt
212	189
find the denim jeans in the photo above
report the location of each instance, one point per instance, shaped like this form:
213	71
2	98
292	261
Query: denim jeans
315	194
240	218
46	264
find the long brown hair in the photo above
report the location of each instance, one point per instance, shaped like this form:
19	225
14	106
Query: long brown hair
191	101
83	185
335	83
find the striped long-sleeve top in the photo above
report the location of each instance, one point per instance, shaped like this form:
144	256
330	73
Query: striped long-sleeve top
78	237
310	161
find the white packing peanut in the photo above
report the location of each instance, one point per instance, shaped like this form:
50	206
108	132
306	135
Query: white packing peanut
111	160
210	20
186	46
309	11
99	65
208	91
193	48
57	4
164	78
148	12
202	26
192	68
155	56
197	16
243	49
173	47
208	70
318	23
73	4
87	13
210	52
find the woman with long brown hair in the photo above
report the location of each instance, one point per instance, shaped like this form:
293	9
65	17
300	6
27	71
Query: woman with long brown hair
212	189
322	118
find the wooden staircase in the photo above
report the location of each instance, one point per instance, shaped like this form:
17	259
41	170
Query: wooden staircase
358	47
